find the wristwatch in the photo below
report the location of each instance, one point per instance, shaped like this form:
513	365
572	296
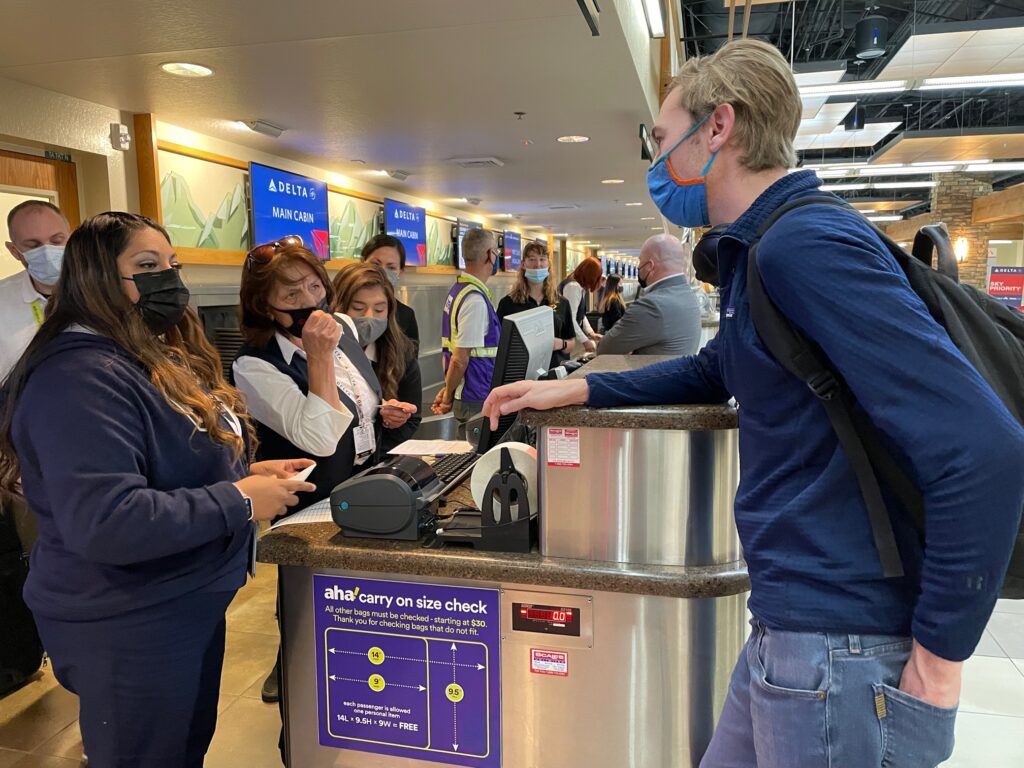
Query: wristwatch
248	504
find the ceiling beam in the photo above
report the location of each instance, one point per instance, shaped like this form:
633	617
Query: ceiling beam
1007	205
1007	231
904	231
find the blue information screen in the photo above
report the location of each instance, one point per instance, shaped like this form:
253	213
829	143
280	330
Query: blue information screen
288	204
408	224
513	251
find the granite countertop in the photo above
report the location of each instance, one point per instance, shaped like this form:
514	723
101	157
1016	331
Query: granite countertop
681	417
321	545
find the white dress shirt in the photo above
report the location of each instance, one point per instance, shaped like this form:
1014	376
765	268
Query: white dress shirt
574	294
306	421
21	312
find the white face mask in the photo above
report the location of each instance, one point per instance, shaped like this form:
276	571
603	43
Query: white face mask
43	263
393	277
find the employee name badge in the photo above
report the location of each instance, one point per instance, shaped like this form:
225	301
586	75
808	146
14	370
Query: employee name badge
365	440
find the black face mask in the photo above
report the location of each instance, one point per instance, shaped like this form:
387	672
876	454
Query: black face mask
705	255
163	299
299	318
642	281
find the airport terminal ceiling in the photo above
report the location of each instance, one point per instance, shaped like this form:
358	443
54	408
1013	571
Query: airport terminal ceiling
920	38
415	87
404	85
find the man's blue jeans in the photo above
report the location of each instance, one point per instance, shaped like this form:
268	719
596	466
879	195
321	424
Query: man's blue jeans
814	700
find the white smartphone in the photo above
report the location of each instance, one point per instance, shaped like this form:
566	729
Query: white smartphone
303	474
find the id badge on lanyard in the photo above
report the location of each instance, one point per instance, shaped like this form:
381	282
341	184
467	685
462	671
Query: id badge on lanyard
363	435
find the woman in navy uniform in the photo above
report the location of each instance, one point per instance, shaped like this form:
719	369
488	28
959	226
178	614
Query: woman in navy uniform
310	388
132	450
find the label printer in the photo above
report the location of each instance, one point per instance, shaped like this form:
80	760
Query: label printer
392	500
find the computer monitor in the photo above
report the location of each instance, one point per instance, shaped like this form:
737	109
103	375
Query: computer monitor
524	353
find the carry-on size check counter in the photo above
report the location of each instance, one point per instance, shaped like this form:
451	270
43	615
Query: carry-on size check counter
610	646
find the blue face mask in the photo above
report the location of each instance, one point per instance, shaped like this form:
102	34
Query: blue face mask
681	201
537	275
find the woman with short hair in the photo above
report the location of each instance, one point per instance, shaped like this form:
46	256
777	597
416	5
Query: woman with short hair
310	388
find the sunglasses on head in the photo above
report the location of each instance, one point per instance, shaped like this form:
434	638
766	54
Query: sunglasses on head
262	254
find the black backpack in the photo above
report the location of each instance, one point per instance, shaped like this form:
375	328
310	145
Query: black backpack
21	652
989	334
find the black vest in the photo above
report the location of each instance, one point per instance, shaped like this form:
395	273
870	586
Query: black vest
581	310
330	470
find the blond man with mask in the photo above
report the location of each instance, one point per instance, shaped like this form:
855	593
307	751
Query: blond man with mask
38	232
844	666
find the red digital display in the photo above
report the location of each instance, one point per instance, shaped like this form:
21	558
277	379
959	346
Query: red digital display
552	615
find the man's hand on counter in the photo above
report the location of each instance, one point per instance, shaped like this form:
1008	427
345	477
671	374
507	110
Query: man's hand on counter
538	395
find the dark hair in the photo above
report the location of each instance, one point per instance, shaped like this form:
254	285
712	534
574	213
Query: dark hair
183	366
588	273
259	278
383	241
612	293
394	350
28	205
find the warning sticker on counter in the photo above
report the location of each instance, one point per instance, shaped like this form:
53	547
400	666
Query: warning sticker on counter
549	662
563	447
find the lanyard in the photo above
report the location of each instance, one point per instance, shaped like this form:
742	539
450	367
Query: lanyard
37	311
353	390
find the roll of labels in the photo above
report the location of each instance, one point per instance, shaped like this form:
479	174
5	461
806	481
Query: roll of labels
504	490
506	478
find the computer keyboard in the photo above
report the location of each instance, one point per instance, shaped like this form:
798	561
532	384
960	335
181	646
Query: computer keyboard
454	467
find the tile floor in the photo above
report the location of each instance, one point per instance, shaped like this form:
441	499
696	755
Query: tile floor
39	722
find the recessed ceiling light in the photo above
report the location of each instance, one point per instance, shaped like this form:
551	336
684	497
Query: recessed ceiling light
573	139
613	181
1000	242
562	234
631	205
658	228
885	218
184	69
378	172
646	218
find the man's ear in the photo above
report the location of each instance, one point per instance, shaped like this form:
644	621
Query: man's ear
722	122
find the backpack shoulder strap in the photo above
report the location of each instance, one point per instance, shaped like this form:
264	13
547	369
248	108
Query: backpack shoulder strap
806	361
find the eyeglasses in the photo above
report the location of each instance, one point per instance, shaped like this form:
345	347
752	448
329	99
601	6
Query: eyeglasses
262	254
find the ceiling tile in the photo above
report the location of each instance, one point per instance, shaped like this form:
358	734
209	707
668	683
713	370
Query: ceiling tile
938	146
1009	35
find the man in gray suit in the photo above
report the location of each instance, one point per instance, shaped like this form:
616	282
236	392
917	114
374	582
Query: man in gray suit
665	320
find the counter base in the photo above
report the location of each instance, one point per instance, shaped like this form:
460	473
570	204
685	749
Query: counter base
646	679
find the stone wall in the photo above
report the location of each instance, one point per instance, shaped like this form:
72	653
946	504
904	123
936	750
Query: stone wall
953	203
